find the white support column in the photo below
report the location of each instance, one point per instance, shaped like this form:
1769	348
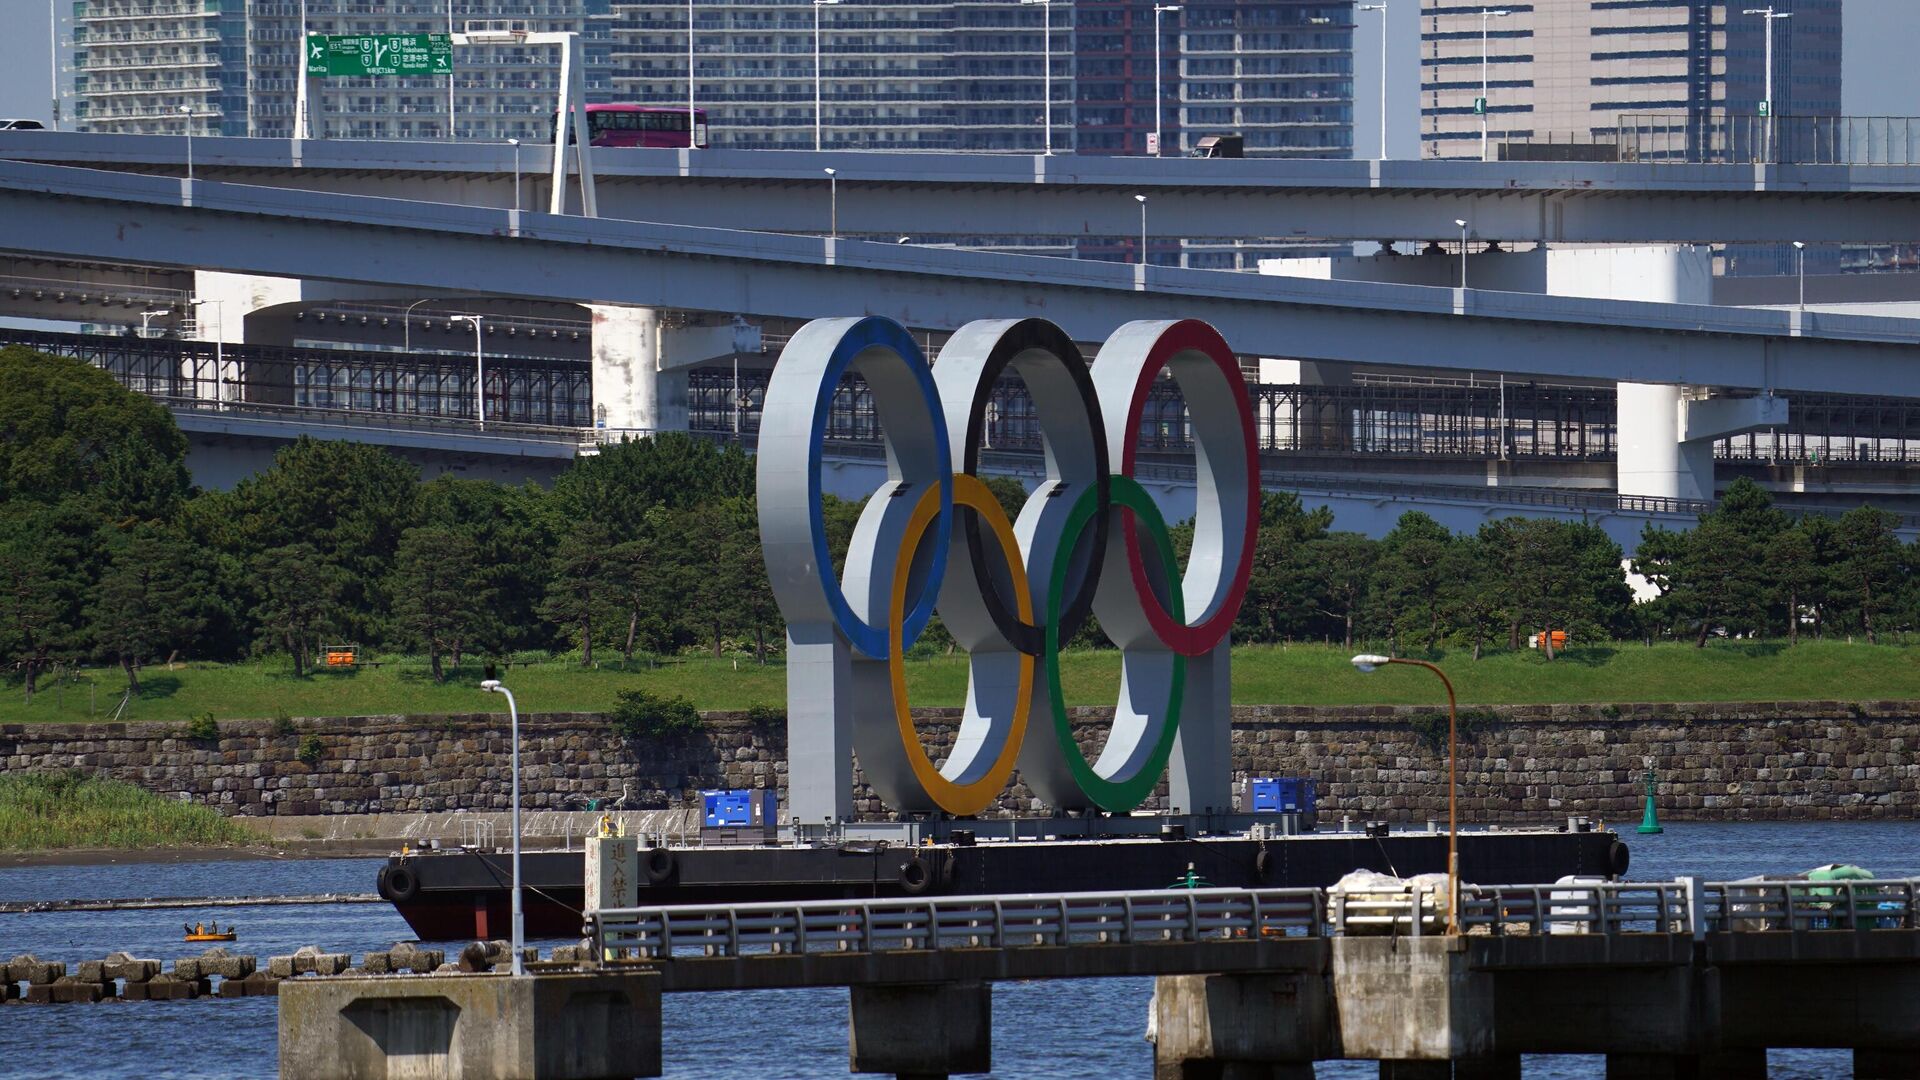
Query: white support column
1666	438
640	366
626	368
226	301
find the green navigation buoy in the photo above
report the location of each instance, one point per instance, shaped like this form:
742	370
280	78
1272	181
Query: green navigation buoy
1190	880
1650	821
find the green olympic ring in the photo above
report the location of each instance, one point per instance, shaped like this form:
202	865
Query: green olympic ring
1131	786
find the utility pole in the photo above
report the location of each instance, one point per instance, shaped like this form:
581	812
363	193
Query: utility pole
1482	106
1382	9
817	5
1159	140
1766	106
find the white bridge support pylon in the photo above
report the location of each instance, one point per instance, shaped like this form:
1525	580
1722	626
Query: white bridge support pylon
1666	436
569	117
640	364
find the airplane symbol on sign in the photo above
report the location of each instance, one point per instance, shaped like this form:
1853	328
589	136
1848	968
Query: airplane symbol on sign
318	50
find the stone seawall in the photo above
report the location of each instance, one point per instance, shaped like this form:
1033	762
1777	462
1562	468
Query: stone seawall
1740	761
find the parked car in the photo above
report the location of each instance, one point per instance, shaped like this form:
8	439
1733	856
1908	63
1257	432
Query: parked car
22	125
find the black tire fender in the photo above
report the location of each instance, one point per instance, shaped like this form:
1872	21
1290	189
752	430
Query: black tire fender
660	865
1618	858
399	884
914	877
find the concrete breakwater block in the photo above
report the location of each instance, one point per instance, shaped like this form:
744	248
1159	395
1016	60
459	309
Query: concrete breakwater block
404	956
133	970
308	960
217	961
74	990
257	984
26	968
174	988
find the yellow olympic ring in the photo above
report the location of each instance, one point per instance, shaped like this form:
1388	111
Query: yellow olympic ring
959	798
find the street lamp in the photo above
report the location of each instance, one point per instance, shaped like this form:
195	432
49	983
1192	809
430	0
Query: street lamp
187	111
493	686
1142	200
479	369
406	324
1158	101
1368	663
147	316
1766	106
833	203
515	143
1046	38
53	58
1800	252
1461	223
1382	9
817	5
1485	15
691	128
219	341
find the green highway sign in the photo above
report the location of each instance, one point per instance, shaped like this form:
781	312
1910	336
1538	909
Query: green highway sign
1480	106
361	55
1766	108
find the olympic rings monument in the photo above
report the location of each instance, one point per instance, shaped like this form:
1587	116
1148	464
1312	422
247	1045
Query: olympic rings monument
932	538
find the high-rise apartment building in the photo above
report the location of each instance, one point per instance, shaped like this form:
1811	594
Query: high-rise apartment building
972	74
235	65
1571	70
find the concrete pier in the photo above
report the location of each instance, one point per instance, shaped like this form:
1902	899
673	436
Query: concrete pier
558	1026
924	1031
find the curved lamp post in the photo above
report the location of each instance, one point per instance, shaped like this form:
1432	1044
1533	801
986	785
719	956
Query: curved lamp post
493	686
1367	663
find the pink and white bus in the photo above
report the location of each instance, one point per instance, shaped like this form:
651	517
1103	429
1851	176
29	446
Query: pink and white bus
642	125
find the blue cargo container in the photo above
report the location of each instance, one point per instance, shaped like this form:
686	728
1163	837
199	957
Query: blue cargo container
1281	795
741	807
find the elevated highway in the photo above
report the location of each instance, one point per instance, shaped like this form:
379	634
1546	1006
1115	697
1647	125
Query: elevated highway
85	214
920	194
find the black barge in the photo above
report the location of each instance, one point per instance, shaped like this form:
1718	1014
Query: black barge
464	894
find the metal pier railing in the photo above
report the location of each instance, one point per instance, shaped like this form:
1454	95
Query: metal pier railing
1067	920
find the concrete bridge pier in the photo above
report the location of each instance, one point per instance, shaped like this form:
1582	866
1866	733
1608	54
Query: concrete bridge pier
921	1030
1666	436
560	1026
640	362
1238	1027
1886	1064
1740	1064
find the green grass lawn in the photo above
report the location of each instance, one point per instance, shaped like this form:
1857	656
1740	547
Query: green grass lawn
1300	674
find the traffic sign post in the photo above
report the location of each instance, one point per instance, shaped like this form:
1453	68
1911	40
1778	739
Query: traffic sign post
366	55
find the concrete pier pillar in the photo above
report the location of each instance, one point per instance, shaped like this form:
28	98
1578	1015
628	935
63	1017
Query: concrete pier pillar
641	359
1416	1070
921	1030
1271	1025
562	1026
1497	1067
1233	1070
1653	1066
1746	1063
1886	1065
626	370
1666	436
